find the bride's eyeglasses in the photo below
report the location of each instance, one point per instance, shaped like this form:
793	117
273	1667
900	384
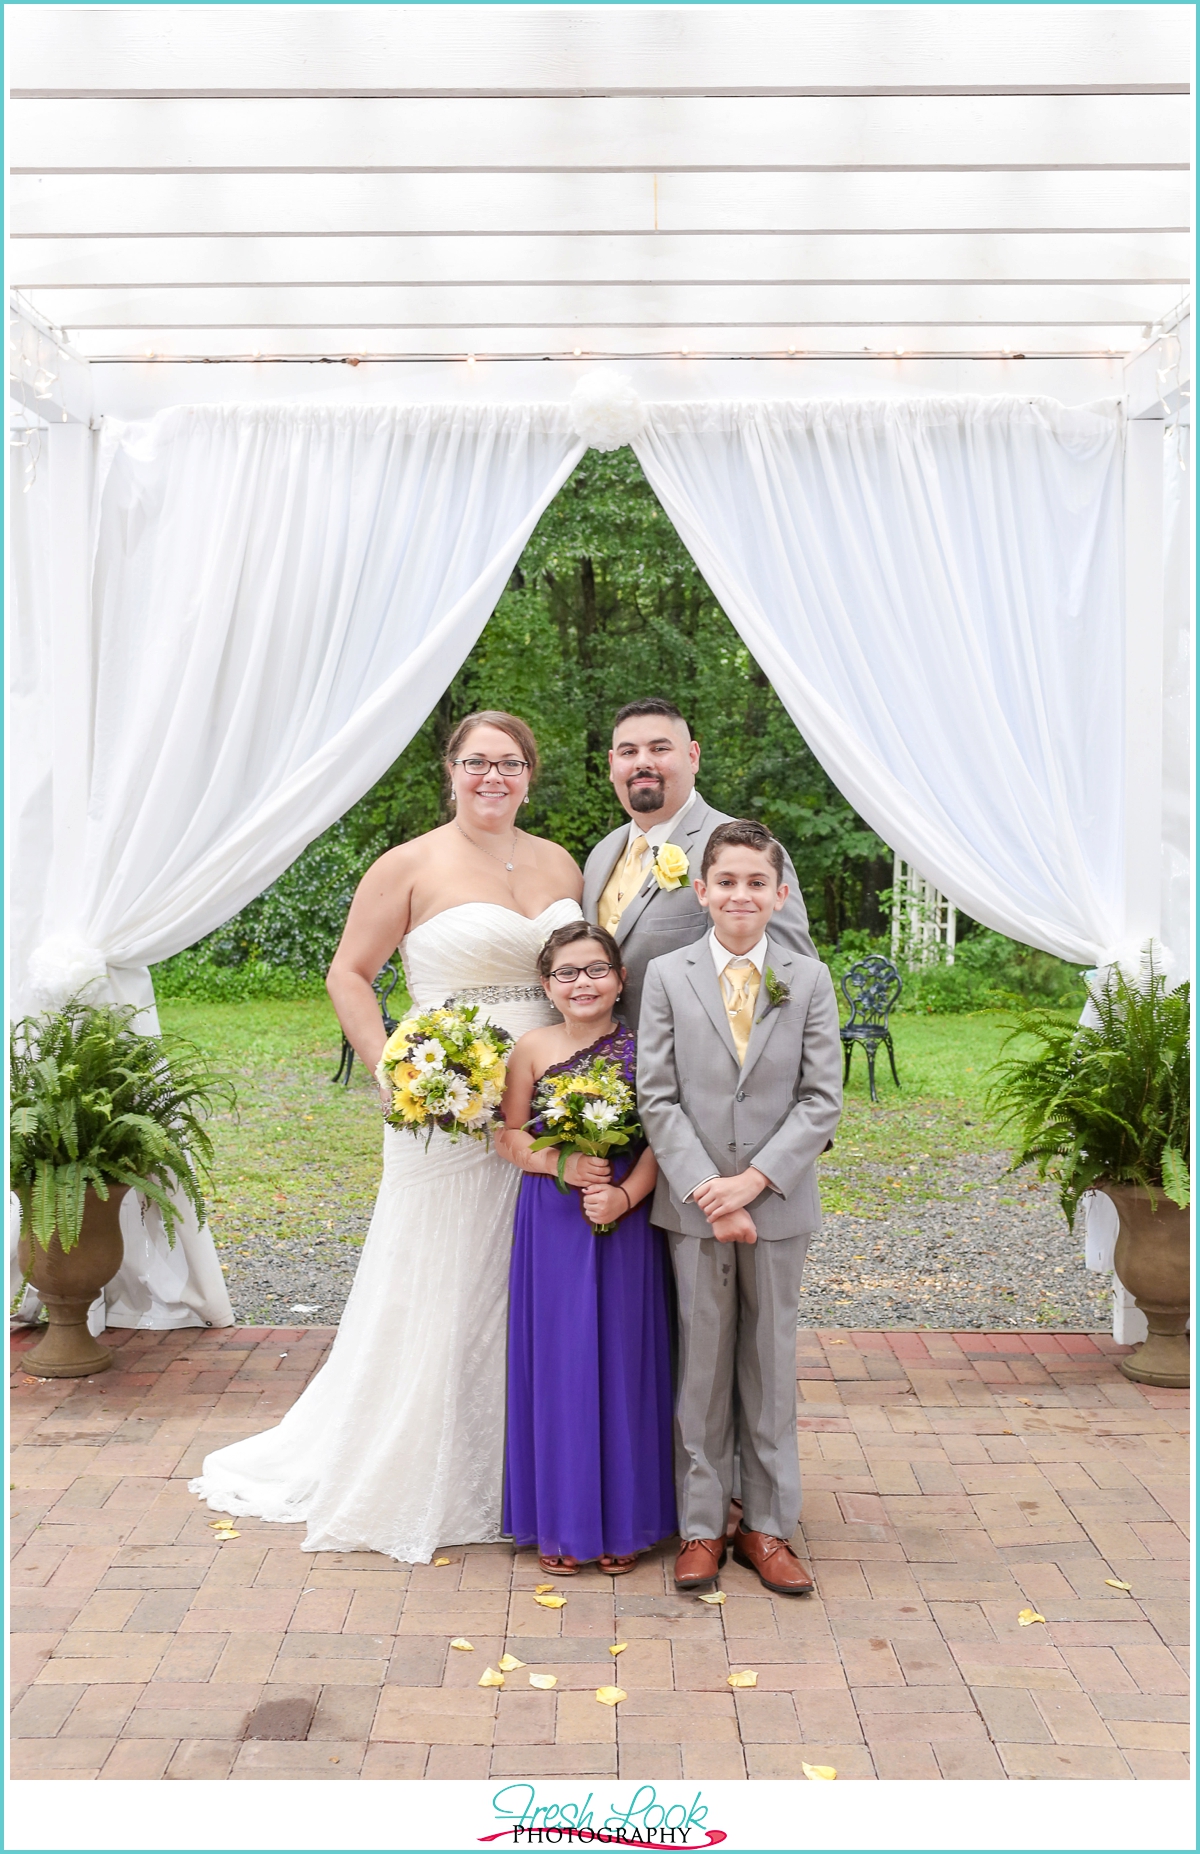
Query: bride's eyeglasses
566	975
476	766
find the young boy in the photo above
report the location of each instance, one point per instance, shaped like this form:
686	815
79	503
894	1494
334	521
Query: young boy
740	1090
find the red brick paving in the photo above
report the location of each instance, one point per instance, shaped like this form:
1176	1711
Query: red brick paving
951	1480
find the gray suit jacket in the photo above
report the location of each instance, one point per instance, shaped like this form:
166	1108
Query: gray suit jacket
704	1114
659	920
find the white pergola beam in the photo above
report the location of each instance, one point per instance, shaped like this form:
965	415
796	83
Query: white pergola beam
309	341
483	50
628	305
282	204
610	134
914	257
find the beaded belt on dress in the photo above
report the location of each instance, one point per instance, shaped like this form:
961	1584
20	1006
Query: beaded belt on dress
496	994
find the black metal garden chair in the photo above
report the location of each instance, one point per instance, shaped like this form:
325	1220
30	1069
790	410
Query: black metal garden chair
872	986
383	987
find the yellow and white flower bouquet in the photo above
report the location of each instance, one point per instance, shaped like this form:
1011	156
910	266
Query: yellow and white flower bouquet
446	1071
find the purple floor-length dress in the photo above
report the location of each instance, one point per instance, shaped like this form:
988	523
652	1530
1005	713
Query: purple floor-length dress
589	1466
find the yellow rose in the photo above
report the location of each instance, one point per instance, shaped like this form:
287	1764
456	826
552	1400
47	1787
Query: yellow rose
396	1044
482	1054
670	866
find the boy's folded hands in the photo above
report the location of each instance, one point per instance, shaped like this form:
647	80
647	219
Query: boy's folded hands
738	1226
719	1197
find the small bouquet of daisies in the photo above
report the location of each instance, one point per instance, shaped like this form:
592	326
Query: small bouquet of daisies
591	1110
446	1071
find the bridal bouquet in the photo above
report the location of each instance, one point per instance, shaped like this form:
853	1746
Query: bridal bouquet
591	1110
446	1070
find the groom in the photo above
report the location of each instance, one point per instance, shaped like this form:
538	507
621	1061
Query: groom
637	880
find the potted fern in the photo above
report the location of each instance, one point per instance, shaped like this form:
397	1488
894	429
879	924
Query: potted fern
1104	1105
97	1110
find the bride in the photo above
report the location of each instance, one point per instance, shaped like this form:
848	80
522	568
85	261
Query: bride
397	1445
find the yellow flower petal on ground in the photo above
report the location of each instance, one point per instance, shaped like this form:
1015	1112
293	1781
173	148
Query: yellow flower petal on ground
747	1678
460	1641
220	1525
508	1662
611	1696
713	1596
228	1533
438	1561
543	1680
490	1678
538	1588
1026	1616
819	1773
618	1648
1116	1584
551	1602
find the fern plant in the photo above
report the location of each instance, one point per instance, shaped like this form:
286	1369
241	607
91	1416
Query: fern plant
1106	1101
94	1103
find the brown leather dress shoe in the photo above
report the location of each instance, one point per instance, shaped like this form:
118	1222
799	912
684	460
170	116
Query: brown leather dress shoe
774	1560
698	1562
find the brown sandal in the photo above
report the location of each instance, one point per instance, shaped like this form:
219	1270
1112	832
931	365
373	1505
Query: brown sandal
558	1567
616	1567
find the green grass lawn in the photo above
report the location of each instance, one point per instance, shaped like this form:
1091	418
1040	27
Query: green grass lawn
303	1155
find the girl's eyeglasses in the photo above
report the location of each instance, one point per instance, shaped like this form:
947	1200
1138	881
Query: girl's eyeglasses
566	975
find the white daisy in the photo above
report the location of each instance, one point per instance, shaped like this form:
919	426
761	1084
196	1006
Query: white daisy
427	1056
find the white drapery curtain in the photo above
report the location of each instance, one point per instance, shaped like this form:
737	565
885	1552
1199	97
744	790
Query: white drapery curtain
280	594
934	588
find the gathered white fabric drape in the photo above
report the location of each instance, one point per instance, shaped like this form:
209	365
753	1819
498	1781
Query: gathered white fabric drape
280	594
934	588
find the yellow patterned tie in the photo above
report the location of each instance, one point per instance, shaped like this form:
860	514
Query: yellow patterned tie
623	885
740	982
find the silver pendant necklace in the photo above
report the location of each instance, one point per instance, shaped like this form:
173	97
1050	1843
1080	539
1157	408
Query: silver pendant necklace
478	846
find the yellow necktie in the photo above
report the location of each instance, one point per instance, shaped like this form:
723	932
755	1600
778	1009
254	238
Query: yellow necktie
740	984
623	885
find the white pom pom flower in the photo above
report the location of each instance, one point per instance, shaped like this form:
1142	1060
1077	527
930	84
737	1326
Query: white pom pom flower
63	967
607	410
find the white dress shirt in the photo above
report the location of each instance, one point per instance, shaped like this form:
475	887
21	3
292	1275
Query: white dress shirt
655	834
722	955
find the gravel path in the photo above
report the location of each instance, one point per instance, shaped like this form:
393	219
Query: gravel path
990	1251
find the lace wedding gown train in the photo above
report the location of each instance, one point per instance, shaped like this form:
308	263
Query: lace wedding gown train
397	1445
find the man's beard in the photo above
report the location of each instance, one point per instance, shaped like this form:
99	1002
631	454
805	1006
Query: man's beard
647	797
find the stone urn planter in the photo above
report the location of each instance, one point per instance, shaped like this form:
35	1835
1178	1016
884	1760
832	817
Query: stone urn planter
69	1283
1153	1260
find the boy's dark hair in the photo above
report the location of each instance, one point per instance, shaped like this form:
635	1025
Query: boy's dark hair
568	936
653	705
746	834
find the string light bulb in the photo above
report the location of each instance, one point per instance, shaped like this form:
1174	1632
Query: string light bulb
470	360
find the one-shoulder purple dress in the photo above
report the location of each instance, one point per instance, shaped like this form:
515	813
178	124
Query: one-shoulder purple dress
589	1448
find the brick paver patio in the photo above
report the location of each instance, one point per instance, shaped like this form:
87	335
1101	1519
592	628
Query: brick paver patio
951	1480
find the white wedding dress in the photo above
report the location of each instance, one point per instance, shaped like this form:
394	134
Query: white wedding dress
397	1445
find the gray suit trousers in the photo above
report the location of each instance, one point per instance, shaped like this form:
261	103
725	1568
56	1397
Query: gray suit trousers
737	1325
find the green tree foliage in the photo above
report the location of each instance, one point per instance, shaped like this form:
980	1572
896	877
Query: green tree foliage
607	606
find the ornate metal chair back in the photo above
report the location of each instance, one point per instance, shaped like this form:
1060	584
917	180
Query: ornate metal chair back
871	986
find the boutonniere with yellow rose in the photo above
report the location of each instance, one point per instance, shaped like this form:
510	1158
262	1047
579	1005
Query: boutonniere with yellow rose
671	866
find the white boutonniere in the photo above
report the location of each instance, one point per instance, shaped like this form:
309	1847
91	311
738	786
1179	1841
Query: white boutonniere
777	992
670	866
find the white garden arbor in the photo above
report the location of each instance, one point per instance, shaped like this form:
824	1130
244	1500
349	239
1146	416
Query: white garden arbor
973	219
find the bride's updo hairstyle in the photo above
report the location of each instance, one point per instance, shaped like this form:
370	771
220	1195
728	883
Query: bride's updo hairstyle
575	932
518	731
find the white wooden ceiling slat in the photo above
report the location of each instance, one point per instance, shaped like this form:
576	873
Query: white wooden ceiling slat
546	342
1085	257
647	304
88	204
519	50
641	134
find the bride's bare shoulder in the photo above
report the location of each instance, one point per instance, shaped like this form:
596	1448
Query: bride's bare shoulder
401	863
558	864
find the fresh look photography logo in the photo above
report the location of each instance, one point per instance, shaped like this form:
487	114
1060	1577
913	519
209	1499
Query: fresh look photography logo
646	1822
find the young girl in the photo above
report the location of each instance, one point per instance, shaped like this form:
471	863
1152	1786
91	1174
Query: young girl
588	1470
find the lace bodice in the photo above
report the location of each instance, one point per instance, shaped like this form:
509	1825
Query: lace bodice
481	947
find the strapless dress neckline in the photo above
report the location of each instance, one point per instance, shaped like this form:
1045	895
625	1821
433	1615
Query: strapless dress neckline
498	906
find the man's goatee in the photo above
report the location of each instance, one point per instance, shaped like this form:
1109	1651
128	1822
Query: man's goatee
646	800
